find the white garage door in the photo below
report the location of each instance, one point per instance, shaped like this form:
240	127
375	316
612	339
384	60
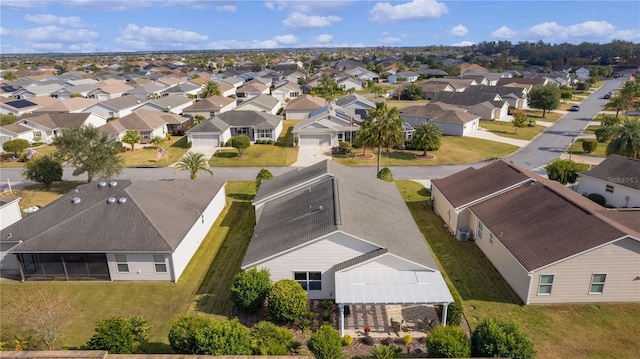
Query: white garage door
315	140
205	141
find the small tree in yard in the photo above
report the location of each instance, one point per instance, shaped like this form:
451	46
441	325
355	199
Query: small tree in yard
157	141
263	175
563	171
269	339
183	332
287	301
545	98
520	120
495	337
566	93
120	335
240	143
385	175
250	289
589	145
43	169
427	137
15	146
131	138
326	343
448	342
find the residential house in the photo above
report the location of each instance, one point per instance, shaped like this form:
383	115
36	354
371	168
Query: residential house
321	227
221	127
358	103
226	89
327	126
233	81
66	92
147	91
349	83
9	214
261	103
516	97
252	90
524	81
148	123
20	107
134	234
72	105
109	92
184	89
617	179
582	73
453	120
15	131
47	126
363	74
117	107
459	85
465	67
301	107
404	77
549	243
429	73
210	106
488	106
37	90
287	91
430	89
171	103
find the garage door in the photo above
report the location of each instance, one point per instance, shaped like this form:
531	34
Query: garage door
315	140
205	141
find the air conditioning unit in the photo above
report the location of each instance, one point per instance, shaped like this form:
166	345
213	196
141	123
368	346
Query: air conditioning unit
463	234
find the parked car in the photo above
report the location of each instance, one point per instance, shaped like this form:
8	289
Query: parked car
607	96
575	108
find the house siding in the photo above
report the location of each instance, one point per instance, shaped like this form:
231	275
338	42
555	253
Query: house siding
443	208
616	199
8	261
319	256
10	214
181	257
141	267
572	277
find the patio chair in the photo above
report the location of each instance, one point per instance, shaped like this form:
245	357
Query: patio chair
395	327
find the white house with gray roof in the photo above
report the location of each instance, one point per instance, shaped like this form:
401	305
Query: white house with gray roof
323	227
116	230
617	179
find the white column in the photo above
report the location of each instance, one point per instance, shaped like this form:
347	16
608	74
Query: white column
341	306
444	314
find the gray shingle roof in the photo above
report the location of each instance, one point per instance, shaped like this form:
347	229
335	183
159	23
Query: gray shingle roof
156	217
249	118
618	170
359	205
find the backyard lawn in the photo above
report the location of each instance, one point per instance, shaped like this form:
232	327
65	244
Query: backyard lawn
278	155
558	331
454	150
506	129
148	156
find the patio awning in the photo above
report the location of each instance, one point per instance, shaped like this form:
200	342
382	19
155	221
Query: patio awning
391	287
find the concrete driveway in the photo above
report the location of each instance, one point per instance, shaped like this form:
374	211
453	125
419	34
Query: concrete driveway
311	154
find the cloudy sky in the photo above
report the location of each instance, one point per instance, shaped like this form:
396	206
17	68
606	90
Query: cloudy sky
33	26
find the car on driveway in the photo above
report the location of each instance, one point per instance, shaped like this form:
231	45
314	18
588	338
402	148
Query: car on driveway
575	108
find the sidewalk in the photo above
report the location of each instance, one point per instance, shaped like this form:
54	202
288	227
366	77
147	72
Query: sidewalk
486	135
588	160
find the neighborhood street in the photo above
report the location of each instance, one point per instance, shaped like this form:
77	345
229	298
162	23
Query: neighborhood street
547	146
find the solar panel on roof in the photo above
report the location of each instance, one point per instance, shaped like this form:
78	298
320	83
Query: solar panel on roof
20	103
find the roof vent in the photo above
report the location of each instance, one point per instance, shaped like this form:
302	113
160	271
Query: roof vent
122	200
102	184
75	200
315	210
113	184
111	200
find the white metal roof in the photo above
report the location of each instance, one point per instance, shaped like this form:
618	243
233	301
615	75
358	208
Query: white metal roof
391	287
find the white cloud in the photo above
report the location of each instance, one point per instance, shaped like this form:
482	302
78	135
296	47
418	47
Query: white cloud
307	7
323	39
459	31
627	35
589	28
234	44
133	36
286	39
51	34
464	43
414	10
227	8
584	30
504	33
300	21
389	40
48	19
109	6
20	5
546	29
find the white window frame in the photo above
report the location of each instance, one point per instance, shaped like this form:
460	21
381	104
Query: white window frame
306	283
609	188
602	283
264	133
491	238
479	229
541	284
122	261
157	262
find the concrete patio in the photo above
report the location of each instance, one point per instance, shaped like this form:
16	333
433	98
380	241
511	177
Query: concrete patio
379	317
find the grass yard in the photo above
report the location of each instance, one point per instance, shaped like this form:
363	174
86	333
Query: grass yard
400	104
279	155
549	116
599	152
506	129
7	161
558	331
37	195
148	156
204	285
454	150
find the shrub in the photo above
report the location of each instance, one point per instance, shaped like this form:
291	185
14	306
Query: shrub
448	342
240	143
495	337
119	335
287	301
385	175
562	170
326	304
189	144
407	339
326	343
269	339
270	142
224	338
15	146
326	315
386	351
347	340
43	169
183	332
250	289
454	311
589	145
604	134
597	198
261	176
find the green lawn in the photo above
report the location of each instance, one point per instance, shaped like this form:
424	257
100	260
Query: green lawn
549	116
37	195
454	150
599	152
558	331
8	163
506	129
176	148
204	286
279	155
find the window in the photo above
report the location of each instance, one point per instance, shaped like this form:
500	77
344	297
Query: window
480	228
212	113
158	261
609	188
490	237
121	263
597	283
546	282
295	94
309	280
264	133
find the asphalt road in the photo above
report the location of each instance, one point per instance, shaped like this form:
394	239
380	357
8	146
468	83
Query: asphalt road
549	145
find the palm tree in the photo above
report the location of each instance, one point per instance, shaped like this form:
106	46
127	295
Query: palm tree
630	95
157	141
626	139
131	138
616	102
382	128
210	89
193	162
427	136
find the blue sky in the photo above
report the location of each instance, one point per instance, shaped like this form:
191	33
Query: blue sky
33	26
